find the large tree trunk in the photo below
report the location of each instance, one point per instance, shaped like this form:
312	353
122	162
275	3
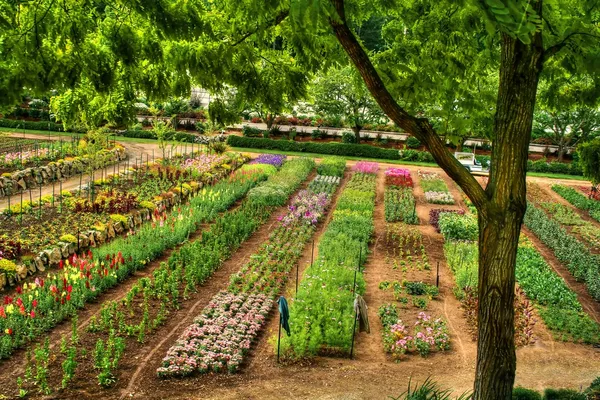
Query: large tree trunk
500	208
356	130
500	223
561	149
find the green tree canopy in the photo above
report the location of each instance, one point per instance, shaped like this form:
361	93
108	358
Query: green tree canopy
340	92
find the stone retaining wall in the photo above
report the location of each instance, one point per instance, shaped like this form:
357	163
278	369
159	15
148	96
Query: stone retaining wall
30	178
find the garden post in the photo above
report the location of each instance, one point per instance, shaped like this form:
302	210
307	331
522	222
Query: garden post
278	338
53	186
353	334
437	276
9	204
30	198
78	241
21	209
80	178
40	203
60	189
312	254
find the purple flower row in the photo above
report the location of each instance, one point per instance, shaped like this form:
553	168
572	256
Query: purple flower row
366	167
276	160
306	207
219	338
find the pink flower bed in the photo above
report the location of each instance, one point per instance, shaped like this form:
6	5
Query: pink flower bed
204	162
23	156
398	177
366	167
219	338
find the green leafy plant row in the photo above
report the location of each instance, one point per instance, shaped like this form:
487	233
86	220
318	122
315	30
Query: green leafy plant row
557	303
400	205
332	166
584	265
322	315
579	200
454	226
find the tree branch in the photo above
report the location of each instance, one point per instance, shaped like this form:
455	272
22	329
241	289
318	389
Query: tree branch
419	127
278	19
552	50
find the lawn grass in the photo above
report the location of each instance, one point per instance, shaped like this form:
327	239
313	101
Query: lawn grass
69	134
317	155
398	162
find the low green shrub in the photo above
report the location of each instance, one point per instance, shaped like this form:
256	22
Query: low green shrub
249	131
563	394
332	166
348	137
413	143
454	226
520	393
338	149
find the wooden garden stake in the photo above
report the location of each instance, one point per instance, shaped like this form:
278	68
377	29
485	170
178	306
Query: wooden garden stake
278	338
353	334
437	277
53	185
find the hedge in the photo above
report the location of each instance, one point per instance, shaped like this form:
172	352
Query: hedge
33	125
149	134
364	150
338	149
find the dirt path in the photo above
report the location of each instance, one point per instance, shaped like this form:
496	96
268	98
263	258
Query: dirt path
369	347
590	306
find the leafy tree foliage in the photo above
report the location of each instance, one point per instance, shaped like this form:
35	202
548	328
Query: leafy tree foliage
341	93
589	154
566	109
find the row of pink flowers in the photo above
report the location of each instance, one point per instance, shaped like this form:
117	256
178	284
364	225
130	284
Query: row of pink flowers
204	162
306	207
23	156
398	177
219	338
428	335
366	167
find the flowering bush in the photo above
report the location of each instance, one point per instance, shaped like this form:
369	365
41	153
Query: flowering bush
428	334
306	207
439	198
366	167
398	177
275	160
204	162
219	338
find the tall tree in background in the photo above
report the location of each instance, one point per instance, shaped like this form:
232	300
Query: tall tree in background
341	93
566	110
451	50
